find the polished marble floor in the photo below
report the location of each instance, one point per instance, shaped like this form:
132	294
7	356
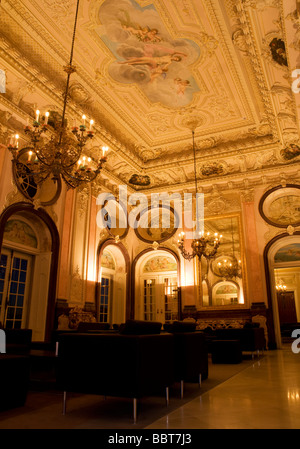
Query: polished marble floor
266	395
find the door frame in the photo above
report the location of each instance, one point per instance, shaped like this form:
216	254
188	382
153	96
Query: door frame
274	333
125	254
135	275
18	208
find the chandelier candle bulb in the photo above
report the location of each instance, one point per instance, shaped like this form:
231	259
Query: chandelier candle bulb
104	149
37	115
91	124
46	118
83	118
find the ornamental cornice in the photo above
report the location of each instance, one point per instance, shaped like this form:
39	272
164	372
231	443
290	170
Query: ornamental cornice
232	183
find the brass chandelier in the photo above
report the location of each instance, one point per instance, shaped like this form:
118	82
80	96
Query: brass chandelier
280	287
279	284
229	267
61	154
204	244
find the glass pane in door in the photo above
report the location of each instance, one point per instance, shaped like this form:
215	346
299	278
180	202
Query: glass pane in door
104	300
171	299
16	293
149	300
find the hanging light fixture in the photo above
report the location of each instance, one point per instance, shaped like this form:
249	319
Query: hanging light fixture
229	267
61	155
280	285
204	244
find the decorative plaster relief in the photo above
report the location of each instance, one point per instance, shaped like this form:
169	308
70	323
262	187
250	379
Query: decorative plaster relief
76	293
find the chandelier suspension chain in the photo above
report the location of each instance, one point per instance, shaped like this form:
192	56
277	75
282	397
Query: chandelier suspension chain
202	245
69	71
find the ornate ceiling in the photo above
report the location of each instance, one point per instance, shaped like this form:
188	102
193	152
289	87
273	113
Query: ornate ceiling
148	71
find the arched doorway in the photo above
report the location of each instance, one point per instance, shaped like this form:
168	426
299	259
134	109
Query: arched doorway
156	286
29	245
112	292
282	262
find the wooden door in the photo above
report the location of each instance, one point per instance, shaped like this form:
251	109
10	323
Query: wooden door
286	307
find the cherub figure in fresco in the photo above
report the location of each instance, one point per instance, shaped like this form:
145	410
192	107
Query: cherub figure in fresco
159	64
181	85
143	34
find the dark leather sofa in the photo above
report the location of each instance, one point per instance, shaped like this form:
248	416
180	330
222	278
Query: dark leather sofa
252	339
134	363
191	353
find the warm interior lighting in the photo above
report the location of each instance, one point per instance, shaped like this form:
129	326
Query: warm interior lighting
56	150
280	286
279	283
230	267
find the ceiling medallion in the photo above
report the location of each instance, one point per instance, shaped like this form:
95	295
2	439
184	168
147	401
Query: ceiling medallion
192	122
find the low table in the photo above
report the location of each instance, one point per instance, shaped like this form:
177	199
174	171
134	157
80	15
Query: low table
226	351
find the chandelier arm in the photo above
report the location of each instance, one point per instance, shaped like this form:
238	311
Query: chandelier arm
74	181
28	164
38	177
185	254
43	160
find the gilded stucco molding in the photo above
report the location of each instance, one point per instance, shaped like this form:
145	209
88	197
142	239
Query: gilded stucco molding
14	196
247	196
76	290
253	50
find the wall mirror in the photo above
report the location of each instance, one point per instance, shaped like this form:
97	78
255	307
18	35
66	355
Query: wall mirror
221	279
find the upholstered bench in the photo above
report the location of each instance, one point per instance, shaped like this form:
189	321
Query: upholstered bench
226	351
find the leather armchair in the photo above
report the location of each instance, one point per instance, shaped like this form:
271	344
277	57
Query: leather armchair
115	364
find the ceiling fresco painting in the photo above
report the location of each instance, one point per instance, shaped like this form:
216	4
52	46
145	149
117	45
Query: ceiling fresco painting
148	71
145	53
